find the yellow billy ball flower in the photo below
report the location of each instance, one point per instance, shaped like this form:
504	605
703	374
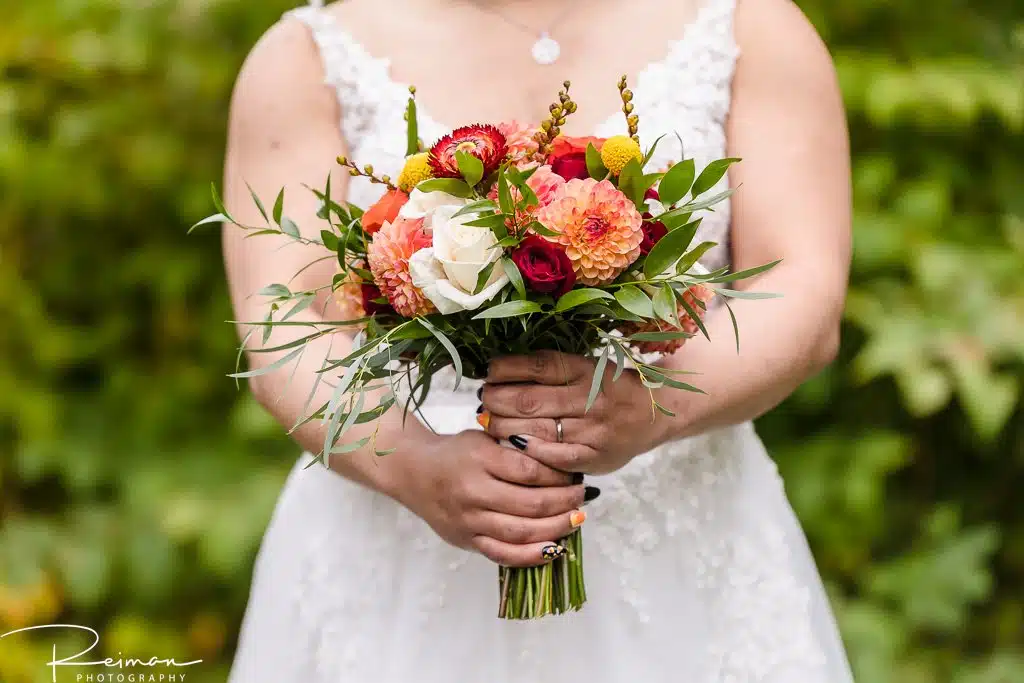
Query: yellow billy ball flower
415	171
618	150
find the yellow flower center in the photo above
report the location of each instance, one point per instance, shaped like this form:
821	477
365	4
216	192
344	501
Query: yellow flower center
619	150
416	170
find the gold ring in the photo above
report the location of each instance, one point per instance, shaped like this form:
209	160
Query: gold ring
558	429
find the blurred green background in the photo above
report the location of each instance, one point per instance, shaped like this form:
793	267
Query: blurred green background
135	481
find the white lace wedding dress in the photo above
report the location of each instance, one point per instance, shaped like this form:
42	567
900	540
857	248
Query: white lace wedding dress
696	569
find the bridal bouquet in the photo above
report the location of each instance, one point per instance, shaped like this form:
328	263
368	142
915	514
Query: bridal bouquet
502	240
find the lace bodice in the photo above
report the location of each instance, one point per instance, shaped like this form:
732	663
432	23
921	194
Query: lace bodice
684	96
696	569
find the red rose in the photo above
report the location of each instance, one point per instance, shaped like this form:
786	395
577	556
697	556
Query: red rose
653	231
544	266
369	293
571	165
384	211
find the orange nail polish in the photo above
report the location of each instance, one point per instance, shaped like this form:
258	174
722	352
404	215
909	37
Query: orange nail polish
576	518
483	419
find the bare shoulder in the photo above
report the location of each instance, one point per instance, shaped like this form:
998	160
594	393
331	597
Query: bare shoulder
282	78
775	37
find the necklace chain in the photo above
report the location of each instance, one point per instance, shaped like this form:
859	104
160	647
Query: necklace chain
546	49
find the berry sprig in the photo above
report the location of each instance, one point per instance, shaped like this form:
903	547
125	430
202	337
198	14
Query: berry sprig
365	172
632	120
550	128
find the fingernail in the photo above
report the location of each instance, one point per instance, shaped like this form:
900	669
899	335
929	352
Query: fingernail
484	419
576	518
480	393
552	552
479	409
590	493
517	441
577	478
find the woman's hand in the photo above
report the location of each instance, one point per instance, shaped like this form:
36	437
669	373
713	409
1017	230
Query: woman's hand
478	495
524	395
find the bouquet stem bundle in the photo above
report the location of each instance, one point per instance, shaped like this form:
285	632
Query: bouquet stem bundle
553	588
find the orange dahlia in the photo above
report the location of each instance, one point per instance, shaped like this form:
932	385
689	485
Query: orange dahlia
523	148
486	143
598	226
348	296
355	297
388	255
696	298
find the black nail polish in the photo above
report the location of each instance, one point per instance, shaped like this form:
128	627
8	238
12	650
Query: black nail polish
480	393
517	441
590	493
577	478
479	409
552	552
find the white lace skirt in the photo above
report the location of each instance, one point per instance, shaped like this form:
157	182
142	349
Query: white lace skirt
696	571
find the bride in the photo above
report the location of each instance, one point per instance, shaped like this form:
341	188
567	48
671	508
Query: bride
382	569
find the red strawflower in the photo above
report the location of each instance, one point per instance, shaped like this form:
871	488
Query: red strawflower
485	142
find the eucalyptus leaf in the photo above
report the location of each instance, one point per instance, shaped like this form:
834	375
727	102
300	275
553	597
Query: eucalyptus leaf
452	186
483	277
677	182
595	166
259	205
744	274
289	227
665	305
694	314
752	296
329	239
471	168
650	152
514	276
542	230
597	380
478	206
578	297
215	218
691	257
711	174
634	300
279	206
453	353
277	290
669	249
279	363
509	309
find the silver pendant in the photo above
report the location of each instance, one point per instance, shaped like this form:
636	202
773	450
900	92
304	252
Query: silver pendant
546	50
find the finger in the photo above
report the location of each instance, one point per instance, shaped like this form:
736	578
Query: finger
515	467
532	502
511	555
534	400
568	457
523	530
574	430
542	367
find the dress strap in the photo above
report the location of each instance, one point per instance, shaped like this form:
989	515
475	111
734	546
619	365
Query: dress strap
360	80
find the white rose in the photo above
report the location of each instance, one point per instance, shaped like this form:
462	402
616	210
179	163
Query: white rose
447	272
422	204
